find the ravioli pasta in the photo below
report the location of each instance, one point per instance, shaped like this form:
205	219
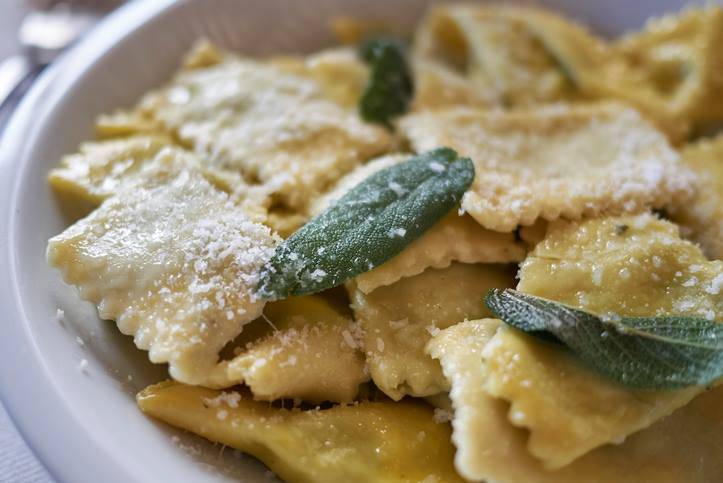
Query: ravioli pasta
702	219
369	441
542	382
682	447
529	164
399	319
267	123
597	184
496	51
172	265
641	261
298	350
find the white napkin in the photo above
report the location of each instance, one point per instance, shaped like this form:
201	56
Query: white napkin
17	462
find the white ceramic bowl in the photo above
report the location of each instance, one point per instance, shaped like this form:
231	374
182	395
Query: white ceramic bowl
84	426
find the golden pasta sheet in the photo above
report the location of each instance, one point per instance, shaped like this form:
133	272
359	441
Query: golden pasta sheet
568	409
122	123
454	238
560	161
398	320
671	69
701	219
103	169
366	441
275	127
342	74
302	348
440	86
175	265
100	168
684	446
624	266
497	52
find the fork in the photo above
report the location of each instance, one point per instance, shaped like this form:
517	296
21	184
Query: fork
50	28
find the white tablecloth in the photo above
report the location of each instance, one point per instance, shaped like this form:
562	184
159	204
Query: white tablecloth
17	463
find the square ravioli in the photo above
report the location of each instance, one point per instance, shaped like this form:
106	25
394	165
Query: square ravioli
385	441
561	161
398	320
301	348
276	127
568	409
175	265
684	446
499	55
634	266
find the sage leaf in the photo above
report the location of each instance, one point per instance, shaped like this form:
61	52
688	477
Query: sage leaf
666	352
390	88
369	225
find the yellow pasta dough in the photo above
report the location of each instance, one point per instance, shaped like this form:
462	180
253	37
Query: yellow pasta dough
273	126
125	123
497	52
298	350
438	86
175	265
684	446
367	441
455	238
624	266
701	219
397	321
672	68
568	409
100	168
556	161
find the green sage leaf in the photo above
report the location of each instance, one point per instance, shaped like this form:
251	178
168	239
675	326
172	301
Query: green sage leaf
642	352
390	88
369	225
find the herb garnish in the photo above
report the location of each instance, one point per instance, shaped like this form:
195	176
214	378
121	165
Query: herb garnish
369	225
390	88
666	352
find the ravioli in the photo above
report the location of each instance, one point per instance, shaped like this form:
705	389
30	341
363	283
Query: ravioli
397	321
366	441
471	243
684	446
496	51
121	123
701	220
271	125
671	68
568	409
454	238
299	350
553	162
341	73
624	266
175	265
438	86
100	168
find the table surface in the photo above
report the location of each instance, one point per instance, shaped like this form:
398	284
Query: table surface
17	463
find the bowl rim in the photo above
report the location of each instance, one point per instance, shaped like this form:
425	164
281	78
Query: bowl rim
35	402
